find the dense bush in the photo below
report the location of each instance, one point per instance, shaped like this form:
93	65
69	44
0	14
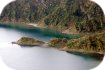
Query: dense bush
61	14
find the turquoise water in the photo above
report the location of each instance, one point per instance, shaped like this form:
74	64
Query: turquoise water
42	31
38	58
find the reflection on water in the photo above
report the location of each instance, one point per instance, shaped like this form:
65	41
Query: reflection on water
38	58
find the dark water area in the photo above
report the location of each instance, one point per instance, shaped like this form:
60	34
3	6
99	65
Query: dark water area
42	31
38	57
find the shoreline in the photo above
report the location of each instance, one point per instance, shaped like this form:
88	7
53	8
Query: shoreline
74	51
63	49
63	32
35	25
96	55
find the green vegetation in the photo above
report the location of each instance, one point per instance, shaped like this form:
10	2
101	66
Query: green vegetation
27	10
25	41
60	15
95	42
61	18
85	15
88	43
58	42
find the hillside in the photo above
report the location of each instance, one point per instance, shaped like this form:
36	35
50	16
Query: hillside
68	16
88	44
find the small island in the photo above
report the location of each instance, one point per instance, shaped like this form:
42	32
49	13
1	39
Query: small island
26	41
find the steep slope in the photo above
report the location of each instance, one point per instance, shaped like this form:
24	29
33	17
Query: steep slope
27	10
85	15
69	15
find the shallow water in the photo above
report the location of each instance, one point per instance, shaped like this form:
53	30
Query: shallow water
38	58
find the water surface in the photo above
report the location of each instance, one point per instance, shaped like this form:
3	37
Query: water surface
38	58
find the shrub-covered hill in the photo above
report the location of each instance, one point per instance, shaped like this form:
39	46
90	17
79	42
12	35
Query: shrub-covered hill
94	43
69	15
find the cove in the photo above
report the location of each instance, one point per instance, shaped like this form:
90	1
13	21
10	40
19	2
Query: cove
38	58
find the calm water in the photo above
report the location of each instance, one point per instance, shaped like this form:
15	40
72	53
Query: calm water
38	58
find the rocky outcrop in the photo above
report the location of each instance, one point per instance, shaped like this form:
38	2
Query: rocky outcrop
58	42
25	41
